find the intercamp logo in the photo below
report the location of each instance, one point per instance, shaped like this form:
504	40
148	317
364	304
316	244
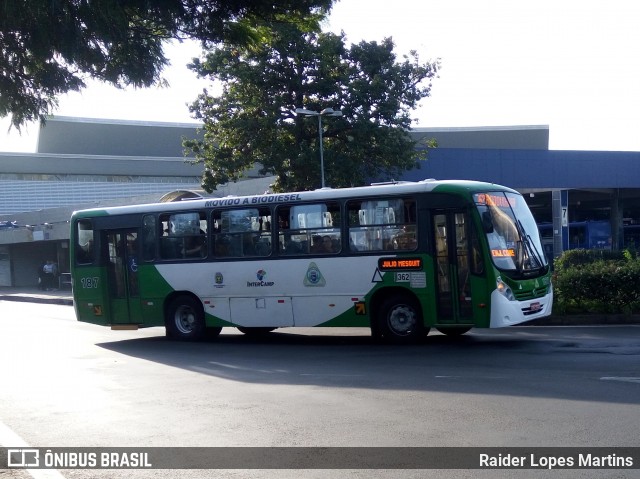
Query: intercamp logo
261	274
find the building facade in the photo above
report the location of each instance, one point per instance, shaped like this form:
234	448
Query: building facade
87	163
84	163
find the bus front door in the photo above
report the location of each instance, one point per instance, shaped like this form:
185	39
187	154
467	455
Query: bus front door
122	271
453	291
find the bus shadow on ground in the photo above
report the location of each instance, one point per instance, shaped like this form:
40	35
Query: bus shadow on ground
531	362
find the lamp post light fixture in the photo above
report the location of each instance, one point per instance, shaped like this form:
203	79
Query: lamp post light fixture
319	114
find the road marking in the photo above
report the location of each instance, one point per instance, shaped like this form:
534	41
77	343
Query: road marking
623	379
8	438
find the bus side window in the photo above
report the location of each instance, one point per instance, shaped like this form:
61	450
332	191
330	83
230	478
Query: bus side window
85	252
287	243
242	232
184	235
309	229
382	225
477	264
406	238
149	234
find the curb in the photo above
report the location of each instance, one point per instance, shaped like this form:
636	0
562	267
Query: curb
585	320
36	299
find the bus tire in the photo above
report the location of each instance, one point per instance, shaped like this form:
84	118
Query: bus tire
400	319
260	331
185	319
454	331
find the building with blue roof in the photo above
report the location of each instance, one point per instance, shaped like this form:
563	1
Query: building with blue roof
84	162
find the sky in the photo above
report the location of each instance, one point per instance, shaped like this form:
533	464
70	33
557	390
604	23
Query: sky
573	65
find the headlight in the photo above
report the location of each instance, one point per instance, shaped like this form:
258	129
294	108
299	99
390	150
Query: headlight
504	290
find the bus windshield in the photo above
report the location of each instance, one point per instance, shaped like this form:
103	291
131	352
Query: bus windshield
511	231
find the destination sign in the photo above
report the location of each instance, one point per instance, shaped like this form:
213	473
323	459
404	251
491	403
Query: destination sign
392	264
503	253
494	200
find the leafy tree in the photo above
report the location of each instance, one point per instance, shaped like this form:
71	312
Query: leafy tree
253	120
50	47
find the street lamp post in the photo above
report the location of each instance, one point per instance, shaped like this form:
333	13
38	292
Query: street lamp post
319	114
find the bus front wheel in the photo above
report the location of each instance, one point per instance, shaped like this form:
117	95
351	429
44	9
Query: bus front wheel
185	319
400	320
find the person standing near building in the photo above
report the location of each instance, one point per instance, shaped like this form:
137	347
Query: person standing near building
50	272
42	277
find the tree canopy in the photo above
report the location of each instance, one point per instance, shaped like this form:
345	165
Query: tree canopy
50	47
253	120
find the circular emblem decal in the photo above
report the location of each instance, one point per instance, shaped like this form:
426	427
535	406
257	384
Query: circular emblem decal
313	275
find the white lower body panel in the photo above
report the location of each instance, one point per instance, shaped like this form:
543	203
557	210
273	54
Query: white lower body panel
509	313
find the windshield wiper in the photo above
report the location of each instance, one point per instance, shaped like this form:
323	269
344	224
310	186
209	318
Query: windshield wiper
528	243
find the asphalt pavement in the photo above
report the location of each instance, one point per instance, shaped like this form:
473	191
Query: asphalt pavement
65	297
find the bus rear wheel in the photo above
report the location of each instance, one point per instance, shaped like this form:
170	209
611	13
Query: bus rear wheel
400	319
454	331
185	319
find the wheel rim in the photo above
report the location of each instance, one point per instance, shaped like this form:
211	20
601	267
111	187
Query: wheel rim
402	320
185	319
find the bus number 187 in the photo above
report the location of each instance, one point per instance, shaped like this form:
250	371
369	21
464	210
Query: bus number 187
89	283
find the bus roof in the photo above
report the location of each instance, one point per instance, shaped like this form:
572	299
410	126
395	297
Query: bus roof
376	189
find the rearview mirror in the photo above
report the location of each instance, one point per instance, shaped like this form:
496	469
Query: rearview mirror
487	222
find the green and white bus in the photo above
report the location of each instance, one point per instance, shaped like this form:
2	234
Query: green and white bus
399	258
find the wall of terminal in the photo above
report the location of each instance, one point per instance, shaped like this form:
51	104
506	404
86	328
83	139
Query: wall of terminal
521	169
28	195
81	162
